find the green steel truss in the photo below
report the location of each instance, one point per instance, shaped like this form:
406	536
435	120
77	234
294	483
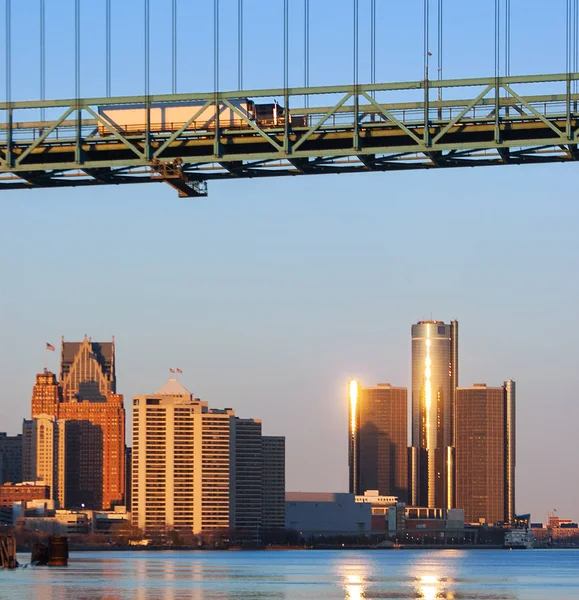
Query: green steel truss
381	127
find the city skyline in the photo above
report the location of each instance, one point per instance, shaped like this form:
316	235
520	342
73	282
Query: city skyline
461	451
98	352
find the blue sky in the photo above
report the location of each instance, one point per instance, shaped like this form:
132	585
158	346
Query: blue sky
271	294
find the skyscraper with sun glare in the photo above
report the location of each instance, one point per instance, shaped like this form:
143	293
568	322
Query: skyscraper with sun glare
434	383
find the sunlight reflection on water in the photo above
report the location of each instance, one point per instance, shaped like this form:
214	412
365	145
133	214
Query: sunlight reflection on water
297	575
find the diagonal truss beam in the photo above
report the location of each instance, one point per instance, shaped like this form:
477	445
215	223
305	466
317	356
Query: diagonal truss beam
535	112
180	131
116	133
317	125
392	118
461	114
41	138
253	125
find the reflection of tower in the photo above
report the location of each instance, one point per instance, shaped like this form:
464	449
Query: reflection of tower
434	379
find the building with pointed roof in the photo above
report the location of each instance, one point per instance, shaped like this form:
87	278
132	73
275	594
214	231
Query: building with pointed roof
90	444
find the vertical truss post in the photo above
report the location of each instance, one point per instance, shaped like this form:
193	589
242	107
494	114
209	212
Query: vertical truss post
217	137
10	141
569	129
356	139
497	110
78	148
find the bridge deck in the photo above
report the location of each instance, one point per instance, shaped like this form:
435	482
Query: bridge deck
501	124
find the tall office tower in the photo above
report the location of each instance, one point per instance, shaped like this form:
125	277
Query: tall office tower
87	370
434	383
45	450
128	476
28	467
273	482
46	395
94	453
247	488
11	458
485	452
511	452
181	462
216	458
378	433
91	438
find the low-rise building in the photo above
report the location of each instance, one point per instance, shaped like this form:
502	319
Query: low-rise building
12	494
311	514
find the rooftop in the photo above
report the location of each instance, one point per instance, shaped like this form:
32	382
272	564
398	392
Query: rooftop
173	388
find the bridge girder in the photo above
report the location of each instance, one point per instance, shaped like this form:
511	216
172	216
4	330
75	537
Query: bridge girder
498	123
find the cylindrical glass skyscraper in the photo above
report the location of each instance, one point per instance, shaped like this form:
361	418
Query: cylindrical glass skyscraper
434	383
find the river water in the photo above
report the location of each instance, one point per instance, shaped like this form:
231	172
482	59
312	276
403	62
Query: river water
300	574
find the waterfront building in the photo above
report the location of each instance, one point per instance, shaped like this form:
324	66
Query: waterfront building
273	482
27	450
485	453
45	441
199	470
312	513
434	383
23	492
247	491
181	463
10	458
378	434
92	424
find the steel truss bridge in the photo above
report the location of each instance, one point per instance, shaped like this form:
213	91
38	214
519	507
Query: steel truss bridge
336	129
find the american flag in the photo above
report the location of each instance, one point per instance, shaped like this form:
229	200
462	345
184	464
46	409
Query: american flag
50	347
171	370
179	371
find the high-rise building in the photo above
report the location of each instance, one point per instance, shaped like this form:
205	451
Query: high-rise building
273	482
128	476
28	450
10	458
87	370
247	489
46	395
92	424
378	434
46	464
199	470
434	383
181	463
485	453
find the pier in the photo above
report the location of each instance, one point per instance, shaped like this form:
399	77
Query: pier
8	552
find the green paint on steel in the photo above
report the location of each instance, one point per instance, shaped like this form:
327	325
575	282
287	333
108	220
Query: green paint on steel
357	133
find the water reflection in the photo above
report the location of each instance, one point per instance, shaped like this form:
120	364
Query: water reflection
302	575
431	587
354	587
